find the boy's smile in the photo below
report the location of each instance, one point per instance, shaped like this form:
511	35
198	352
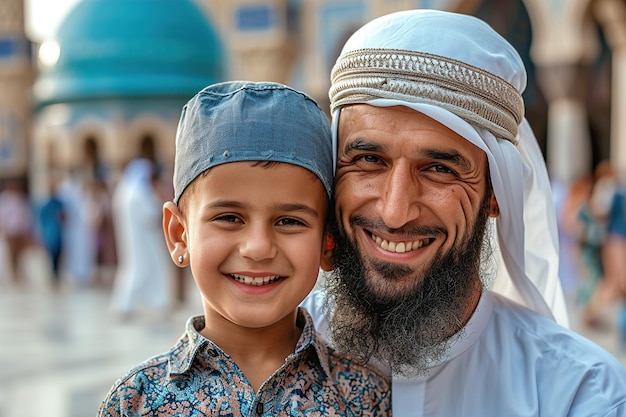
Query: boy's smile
255	281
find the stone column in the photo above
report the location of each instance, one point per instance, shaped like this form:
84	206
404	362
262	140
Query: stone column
612	16
16	78
618	110
561	47
569	143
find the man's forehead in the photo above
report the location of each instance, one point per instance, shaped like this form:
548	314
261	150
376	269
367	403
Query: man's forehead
363	127
366	116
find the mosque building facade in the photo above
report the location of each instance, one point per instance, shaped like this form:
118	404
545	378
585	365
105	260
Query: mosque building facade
16	78
110	86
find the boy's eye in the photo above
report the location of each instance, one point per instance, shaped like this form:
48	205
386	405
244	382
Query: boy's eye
287	221
228	218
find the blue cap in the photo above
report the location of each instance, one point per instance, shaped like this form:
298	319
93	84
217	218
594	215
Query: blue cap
251	121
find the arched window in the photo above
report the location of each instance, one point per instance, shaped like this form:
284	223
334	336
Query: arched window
147	147
94	169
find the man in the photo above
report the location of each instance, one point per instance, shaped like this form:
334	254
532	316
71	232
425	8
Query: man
432	144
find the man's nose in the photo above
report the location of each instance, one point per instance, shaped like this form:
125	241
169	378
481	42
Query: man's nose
398	203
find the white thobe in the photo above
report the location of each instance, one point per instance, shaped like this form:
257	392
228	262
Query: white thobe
144	267
510	362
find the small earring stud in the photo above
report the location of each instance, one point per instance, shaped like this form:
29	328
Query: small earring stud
180	259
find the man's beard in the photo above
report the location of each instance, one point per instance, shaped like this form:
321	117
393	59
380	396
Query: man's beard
410	332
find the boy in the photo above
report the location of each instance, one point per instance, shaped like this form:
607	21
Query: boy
252	180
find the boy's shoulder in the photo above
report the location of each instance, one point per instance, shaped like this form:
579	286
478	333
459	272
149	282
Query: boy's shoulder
156	367
174	361
362	388
142	381
365	388
343	366
145	385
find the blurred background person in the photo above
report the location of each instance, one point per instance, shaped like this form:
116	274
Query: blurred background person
16	227
592	217
609	202
569	200
614	256
51	217
79	247
101	220
595	216
144	270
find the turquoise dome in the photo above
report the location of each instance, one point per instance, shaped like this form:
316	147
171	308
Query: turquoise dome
131	49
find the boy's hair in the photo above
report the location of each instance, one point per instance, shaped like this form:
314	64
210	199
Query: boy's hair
251	121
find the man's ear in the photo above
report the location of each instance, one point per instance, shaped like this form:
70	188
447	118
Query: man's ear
494	209
175	233
329	245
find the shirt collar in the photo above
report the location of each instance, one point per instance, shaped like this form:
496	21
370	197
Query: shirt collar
311	338
185	351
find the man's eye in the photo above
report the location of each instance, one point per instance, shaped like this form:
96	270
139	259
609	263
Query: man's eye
372	159
441	168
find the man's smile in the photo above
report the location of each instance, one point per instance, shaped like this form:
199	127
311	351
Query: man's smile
401	246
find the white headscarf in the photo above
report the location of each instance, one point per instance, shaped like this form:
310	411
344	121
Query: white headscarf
462	63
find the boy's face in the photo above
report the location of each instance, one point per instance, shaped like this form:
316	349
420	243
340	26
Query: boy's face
253	236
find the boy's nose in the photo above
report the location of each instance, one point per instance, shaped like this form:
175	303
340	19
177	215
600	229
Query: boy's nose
258	245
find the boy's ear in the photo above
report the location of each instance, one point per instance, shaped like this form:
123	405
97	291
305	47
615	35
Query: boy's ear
175	233
329	245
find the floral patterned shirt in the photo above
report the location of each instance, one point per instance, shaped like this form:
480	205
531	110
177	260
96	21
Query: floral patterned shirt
196	378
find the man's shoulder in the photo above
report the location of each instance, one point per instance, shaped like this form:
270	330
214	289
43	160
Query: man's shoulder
521	351
315	305
509	316
548	340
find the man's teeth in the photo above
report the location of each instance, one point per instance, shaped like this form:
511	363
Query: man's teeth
254	281
399	247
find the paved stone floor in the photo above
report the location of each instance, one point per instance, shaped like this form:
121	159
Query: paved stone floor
60	351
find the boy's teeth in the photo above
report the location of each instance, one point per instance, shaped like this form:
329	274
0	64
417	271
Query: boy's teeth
399	247
254	281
